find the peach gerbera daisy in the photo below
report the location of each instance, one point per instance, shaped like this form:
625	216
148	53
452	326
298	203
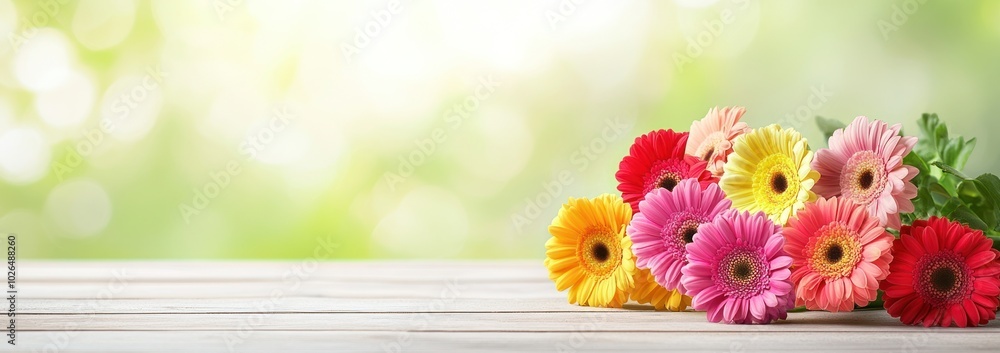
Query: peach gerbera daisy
840	253
711	138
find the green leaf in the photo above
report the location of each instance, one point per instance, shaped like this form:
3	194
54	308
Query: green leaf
828	126
950	170
956	152
965	215
939	194
915	160
991	184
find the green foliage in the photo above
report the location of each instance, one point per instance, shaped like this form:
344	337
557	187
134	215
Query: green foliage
828	126
943	189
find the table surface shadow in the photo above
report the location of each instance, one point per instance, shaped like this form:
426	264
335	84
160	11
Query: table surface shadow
399	306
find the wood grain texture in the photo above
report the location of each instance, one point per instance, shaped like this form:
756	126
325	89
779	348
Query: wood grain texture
398	306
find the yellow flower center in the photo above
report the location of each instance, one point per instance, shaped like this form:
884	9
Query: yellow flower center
834	251
600	252
775	185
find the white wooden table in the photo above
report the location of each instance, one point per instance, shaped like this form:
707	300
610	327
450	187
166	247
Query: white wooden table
421	306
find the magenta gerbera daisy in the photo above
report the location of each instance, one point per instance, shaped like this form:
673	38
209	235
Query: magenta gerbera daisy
738	271
944	273
864	164
840	253
657	160
667	222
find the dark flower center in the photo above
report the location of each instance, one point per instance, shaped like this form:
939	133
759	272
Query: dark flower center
834	253
742	270
600	252
779	183
668	183
944	279
866	179
708	155
689	234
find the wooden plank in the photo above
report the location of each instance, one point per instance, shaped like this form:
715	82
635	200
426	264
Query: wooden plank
299	305
607	321
292	288
281	271
435	342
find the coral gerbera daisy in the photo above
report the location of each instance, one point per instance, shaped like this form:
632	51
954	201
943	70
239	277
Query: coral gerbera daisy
589	253
865	164
667	222
738	271
840	253
943	273
769	171
711	138
657	160
647	291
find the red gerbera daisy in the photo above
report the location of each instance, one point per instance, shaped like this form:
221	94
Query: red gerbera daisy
943	273
657	160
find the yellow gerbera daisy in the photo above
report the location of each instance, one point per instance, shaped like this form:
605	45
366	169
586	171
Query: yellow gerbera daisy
647	291
589	253
770	170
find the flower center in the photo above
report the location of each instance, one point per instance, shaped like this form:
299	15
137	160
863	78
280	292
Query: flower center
708	155
679	230
689	235
666	174
942	278
600	252
775	186
864	177
715	141
834	251
742	272
779	183
669	182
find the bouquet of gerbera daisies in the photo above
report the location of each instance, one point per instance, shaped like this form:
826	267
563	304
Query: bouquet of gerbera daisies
747	224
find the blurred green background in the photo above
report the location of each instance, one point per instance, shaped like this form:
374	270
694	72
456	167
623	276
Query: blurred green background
422	129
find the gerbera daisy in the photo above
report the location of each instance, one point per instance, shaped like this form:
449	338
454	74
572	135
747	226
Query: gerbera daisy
667	222
712	137
769	171
589	253
840	253
943	273
864	164
657	160
737	270
647	291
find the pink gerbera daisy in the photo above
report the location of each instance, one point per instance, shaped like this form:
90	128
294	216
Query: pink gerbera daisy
667	222
840	253
657	160
864	164
738	271
712	137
